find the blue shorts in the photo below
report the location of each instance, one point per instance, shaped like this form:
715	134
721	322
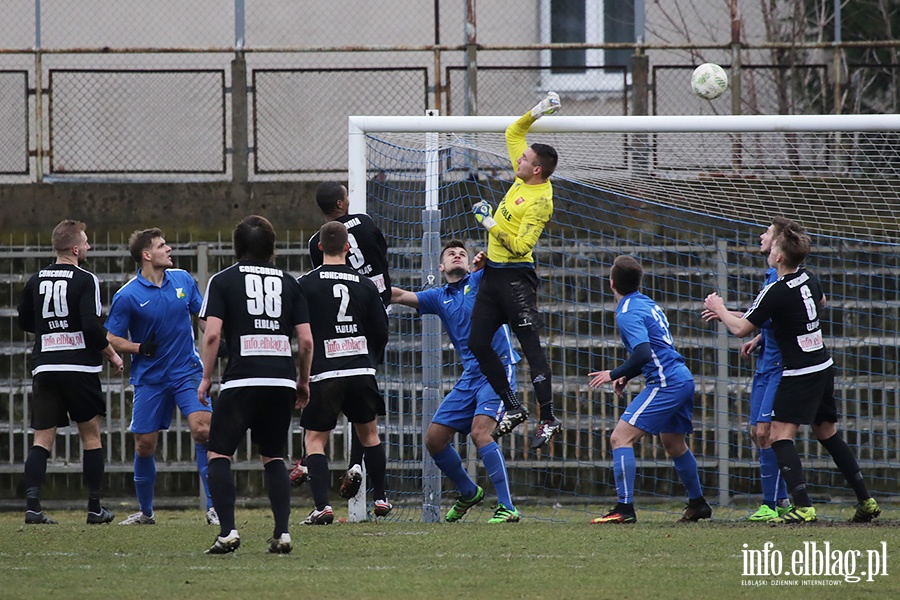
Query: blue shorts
469	397
154	403
762	395
663	409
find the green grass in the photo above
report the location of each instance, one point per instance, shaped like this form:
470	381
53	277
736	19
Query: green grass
655	558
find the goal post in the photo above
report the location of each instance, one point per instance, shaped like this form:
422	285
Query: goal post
689	197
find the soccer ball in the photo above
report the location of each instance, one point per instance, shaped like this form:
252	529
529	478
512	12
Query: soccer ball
709	81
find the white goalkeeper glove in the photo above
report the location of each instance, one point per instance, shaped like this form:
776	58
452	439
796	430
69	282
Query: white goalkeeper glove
482	212
547	106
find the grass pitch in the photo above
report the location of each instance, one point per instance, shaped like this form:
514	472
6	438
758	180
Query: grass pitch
395	560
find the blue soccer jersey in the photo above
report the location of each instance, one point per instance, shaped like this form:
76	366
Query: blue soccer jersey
769	358
640	320
141	310
453	303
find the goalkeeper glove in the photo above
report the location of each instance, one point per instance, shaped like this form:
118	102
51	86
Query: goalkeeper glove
149	347
482	212
547	106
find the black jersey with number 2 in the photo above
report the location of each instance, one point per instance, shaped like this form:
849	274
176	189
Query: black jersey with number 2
259	305
349	325
367	255
61	306
792	302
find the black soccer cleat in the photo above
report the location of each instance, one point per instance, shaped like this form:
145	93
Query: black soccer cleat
99	518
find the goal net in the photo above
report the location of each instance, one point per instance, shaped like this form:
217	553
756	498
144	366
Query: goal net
689	198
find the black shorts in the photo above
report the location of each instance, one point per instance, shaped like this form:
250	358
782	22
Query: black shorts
61	395
507	296
264	410
357	397
806	399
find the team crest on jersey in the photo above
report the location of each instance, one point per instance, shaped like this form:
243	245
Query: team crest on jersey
466	289
179	292
520	200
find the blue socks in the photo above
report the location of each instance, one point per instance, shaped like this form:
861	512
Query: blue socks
450	463
773	486
144	482
624	472
686	467
492	457
203	469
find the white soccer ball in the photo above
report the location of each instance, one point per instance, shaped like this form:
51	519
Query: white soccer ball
709	81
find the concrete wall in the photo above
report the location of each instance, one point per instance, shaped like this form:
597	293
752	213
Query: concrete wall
197	210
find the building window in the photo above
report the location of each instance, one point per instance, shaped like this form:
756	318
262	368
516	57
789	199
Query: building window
585	22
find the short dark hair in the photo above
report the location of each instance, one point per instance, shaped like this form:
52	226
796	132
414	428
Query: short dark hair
782	223
328	194
794	245
254	239
546	158
454	243
141	240
66	234
626	274
333	237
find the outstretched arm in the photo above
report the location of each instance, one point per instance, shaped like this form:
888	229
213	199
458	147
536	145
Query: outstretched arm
404	297
738	326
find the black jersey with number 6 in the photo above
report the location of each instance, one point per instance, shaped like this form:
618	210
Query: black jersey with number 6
349	325
61	306
367	255
259	305
792	302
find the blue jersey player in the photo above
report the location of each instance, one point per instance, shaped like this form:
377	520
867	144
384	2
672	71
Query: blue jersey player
765	382
472	406
663	407
150	318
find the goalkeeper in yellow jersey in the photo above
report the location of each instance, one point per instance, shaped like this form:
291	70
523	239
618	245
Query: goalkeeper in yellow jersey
508	292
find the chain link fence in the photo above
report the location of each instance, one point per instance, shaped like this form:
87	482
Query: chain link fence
104	89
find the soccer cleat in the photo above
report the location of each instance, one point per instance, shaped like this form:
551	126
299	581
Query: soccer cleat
299	474
382	508
281	545
504	515
616	517
784	509
320	517
212	517
866	511
545	432
798	514
139	518
511	420
695	510
351	481
462	506
99	518
225	545
764	514
37	517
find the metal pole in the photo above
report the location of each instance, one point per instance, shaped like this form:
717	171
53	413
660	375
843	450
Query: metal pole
239	106
471	101
38	96
431	328
723	426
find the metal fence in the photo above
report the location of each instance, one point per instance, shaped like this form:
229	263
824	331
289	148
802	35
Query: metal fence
107	89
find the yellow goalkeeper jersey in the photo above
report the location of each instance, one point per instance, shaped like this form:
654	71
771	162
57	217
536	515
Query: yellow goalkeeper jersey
525	209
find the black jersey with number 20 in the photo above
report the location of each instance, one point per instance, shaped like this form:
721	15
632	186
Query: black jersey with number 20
259	305
61	306
349	325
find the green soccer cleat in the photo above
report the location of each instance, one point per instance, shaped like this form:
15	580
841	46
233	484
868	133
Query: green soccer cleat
866	511
461	506
764	514
504	515
798	514
783	510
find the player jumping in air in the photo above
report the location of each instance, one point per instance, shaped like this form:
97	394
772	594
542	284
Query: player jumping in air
508	291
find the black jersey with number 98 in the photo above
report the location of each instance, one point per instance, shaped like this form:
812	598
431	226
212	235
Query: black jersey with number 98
259	305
